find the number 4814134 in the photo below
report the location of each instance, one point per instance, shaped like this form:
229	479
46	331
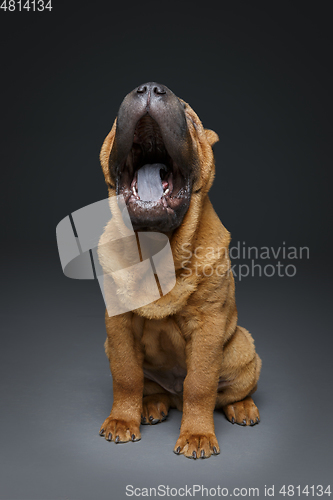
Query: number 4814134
26	5
307	490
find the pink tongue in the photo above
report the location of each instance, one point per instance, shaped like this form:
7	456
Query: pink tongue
149	182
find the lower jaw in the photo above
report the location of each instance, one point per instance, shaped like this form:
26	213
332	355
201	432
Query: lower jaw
164	215
161	204
153	216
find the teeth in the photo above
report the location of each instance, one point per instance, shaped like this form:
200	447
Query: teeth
167	191
134	191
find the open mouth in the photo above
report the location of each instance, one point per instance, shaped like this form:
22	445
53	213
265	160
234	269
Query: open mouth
152	184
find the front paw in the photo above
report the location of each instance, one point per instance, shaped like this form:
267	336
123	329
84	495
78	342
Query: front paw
197	445
120	431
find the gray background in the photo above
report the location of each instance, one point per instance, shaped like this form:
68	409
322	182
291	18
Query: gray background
261	78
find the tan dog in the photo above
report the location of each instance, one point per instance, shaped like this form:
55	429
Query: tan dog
184	350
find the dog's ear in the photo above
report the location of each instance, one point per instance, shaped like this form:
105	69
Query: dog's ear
211	136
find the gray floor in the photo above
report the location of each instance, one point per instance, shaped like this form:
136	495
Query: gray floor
56	391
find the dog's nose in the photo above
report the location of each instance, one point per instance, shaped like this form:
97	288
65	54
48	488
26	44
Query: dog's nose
151	88
159	89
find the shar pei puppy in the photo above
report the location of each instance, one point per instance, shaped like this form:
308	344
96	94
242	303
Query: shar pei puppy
184	350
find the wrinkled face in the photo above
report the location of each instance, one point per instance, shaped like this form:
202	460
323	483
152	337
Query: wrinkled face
154	160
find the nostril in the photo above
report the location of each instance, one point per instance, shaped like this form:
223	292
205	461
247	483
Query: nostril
159	90
142	89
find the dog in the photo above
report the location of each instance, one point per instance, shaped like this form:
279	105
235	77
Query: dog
184	350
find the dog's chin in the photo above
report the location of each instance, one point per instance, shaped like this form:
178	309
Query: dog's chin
162	216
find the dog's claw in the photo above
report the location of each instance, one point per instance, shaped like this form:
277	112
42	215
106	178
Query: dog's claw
215	452
177	451
133	437
194	455
153	420
233	420
202	454
101	432
117	439
109	436
243	422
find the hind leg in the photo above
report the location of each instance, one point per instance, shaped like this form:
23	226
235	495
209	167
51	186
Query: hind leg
242	412
157	402
235	400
